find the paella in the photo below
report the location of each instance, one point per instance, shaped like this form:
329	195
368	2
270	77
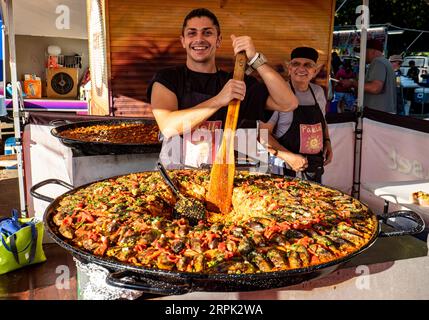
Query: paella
275	224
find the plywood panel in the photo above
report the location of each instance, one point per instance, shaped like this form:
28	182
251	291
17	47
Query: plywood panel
145	37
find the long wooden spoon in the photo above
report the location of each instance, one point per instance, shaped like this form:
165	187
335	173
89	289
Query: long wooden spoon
223	169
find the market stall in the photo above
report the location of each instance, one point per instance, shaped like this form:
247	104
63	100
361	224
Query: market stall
117	92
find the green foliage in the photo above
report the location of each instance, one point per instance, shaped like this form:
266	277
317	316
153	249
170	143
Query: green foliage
410	14
423	54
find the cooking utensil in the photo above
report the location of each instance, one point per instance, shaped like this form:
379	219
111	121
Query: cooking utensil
190	208
174	282
103	148
223	170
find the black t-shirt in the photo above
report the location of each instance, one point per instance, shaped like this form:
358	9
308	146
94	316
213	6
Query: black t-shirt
203	86
413	73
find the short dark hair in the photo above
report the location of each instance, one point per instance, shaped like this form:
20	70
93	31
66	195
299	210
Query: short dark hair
411	63
201	12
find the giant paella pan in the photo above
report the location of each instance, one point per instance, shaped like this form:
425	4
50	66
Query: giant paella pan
280	231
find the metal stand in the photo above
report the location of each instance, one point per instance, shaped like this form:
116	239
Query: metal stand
358	132
7	12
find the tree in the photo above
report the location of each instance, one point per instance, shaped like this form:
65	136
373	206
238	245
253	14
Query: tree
412	14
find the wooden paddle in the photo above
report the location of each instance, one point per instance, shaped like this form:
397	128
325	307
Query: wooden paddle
223	169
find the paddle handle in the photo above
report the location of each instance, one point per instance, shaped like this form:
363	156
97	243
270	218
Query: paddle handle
223	170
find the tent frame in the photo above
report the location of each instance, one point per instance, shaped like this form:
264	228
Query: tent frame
7	12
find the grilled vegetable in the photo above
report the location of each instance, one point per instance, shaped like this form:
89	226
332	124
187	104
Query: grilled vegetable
276	224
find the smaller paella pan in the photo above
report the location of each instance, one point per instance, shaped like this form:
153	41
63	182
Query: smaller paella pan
113	136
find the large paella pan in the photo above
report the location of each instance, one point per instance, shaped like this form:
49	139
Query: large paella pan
280	232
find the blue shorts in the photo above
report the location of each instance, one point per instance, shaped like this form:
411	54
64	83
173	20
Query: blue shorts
349	99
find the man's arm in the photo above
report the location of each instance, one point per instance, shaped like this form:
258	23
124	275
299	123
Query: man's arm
374	86
296	161
327	147
374	80
281	97
172	121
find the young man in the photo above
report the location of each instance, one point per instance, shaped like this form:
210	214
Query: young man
187	96
301	136
396	61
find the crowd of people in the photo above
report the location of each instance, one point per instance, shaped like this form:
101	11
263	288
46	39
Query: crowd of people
383	89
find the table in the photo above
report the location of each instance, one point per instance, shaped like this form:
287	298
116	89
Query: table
399	192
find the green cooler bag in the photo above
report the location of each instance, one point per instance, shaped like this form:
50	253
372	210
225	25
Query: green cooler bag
21	243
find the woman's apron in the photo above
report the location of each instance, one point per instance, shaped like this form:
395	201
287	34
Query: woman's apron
305	136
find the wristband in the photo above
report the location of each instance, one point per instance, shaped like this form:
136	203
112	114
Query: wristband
253	59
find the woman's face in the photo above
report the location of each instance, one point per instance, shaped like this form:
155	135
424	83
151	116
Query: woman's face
302	70
200	39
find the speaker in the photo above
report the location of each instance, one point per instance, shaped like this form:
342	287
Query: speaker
62	83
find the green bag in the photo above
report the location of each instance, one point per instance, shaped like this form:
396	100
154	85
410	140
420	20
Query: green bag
21	243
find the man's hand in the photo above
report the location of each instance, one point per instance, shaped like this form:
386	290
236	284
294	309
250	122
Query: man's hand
243	43
233	89
297	162
327	153
348	83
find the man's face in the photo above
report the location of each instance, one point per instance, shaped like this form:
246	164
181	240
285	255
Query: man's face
302	69
200	39
371	54
396	65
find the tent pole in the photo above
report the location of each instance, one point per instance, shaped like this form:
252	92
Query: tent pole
358	131
8	8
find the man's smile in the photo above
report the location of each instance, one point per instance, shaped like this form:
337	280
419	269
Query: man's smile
200	47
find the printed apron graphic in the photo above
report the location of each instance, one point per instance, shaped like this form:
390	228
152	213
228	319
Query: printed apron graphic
311	138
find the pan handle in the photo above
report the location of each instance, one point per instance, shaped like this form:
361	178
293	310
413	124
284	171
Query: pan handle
59	122
128	280
411	215
44	183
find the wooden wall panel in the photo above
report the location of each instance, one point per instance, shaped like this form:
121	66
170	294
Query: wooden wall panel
99	57
145	37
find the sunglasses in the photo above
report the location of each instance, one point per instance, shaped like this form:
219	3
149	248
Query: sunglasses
307	65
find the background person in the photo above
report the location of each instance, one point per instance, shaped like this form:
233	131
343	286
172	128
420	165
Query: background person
396	61
413	71
300	138
344	95
185	96
380	81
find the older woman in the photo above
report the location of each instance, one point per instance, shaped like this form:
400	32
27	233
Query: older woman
300	138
